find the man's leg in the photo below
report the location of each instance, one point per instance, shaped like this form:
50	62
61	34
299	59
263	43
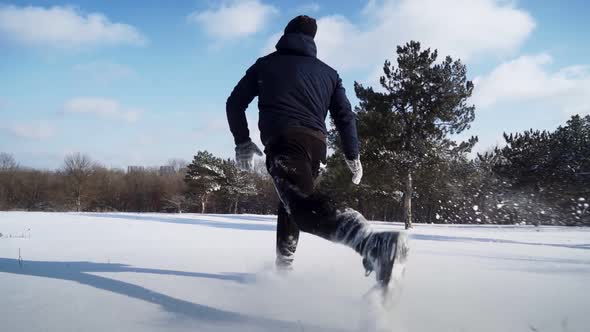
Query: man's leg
291	164
287	238
319	215
295	169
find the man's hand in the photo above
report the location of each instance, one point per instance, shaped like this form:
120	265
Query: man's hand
244	154
356	168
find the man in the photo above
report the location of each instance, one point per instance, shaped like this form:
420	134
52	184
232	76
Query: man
295	92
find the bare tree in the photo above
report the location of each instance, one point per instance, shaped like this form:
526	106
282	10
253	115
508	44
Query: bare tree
8	184
178	203
177	164
105	187
7	162
78	168
34	191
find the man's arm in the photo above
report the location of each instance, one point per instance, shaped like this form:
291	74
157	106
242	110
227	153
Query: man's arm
237	103
345	121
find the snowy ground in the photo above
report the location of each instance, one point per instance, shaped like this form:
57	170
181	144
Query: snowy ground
157	272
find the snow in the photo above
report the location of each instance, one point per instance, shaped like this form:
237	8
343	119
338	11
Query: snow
168	272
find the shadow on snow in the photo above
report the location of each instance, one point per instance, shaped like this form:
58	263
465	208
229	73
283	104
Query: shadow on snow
424	237
80	272
191	221
271	227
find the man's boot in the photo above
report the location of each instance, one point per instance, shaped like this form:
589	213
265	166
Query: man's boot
317	214
380	250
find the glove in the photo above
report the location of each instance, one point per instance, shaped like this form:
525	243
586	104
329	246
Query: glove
356	168
244	154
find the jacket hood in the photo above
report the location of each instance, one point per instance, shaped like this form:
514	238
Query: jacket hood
297	43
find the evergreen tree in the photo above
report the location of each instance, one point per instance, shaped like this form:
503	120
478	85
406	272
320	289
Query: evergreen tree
550	171
407	127
204	176
237	184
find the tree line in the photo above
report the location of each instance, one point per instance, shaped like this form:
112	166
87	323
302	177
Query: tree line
83	184
415	169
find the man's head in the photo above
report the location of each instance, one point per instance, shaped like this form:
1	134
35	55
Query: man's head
302	24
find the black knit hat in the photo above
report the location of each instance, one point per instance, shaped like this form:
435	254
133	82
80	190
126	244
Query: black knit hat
302	24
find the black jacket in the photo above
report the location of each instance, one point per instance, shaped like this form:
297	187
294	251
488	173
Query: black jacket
294	89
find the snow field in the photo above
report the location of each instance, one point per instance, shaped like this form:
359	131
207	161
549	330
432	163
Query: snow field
189	272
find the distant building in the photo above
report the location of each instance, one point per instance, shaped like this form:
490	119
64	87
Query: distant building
167	170
131	169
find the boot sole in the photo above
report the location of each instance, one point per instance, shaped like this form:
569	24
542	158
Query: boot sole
397	258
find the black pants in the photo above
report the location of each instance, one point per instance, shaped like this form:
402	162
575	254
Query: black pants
293	158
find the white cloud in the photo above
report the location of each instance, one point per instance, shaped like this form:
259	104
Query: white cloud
336	39
234	19
529	79
39	130
343	44
63	28
104	71
461	28
102	107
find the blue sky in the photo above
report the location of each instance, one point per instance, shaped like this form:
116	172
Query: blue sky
138	85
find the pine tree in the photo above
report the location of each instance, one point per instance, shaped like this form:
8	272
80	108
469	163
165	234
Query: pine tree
407	127
550	171
237	184
204	176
